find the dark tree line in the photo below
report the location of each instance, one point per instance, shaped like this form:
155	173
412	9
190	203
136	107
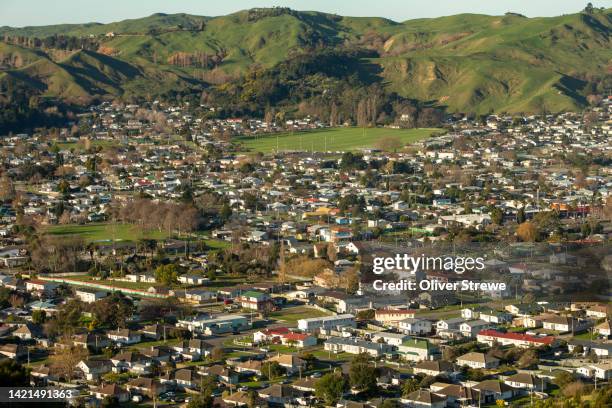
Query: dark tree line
58	42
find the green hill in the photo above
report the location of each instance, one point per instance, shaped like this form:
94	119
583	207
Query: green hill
467	62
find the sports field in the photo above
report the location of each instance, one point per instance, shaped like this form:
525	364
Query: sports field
332	140
107	232
98	232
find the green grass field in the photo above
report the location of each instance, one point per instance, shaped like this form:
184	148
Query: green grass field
94	143
98	232
103	232
336	139
113	283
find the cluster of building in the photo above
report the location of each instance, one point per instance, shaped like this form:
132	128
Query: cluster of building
478	179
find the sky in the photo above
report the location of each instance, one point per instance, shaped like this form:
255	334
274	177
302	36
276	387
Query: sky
18	13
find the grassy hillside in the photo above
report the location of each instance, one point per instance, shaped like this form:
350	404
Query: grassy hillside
336	139
467	62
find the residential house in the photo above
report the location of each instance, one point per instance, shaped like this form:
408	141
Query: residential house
424	399
249	367
597	311
526	381
186	378
133	362
41	286
124	336
290	362
600	371
111	390
220	373
415	326
281	394
146	386
326	322
199	295
472	327
305	384
254	300
524	309
356	346
433	368
13	351
478	360
490	337
394	339
459	395
155	331
41	374
194	349
160	354
564	324
418	350
242	398
90	340
215	325
493	390
600	349
392	317
190	279
28	331
449	328
604	329
93	369
285	336
90	295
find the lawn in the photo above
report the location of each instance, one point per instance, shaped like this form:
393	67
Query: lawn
325	355
93	143
107	232
293	314
114	283
100	232
335	139
217	244
585	336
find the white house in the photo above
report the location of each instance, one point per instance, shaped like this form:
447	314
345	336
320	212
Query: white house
601	371
433	367
415	326
472	328
90	295
392	316
564	324
356	346
188	279
394	339
37	285
526	381
326	322
94	369
604	329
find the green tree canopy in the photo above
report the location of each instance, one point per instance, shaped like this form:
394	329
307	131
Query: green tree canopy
330	387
